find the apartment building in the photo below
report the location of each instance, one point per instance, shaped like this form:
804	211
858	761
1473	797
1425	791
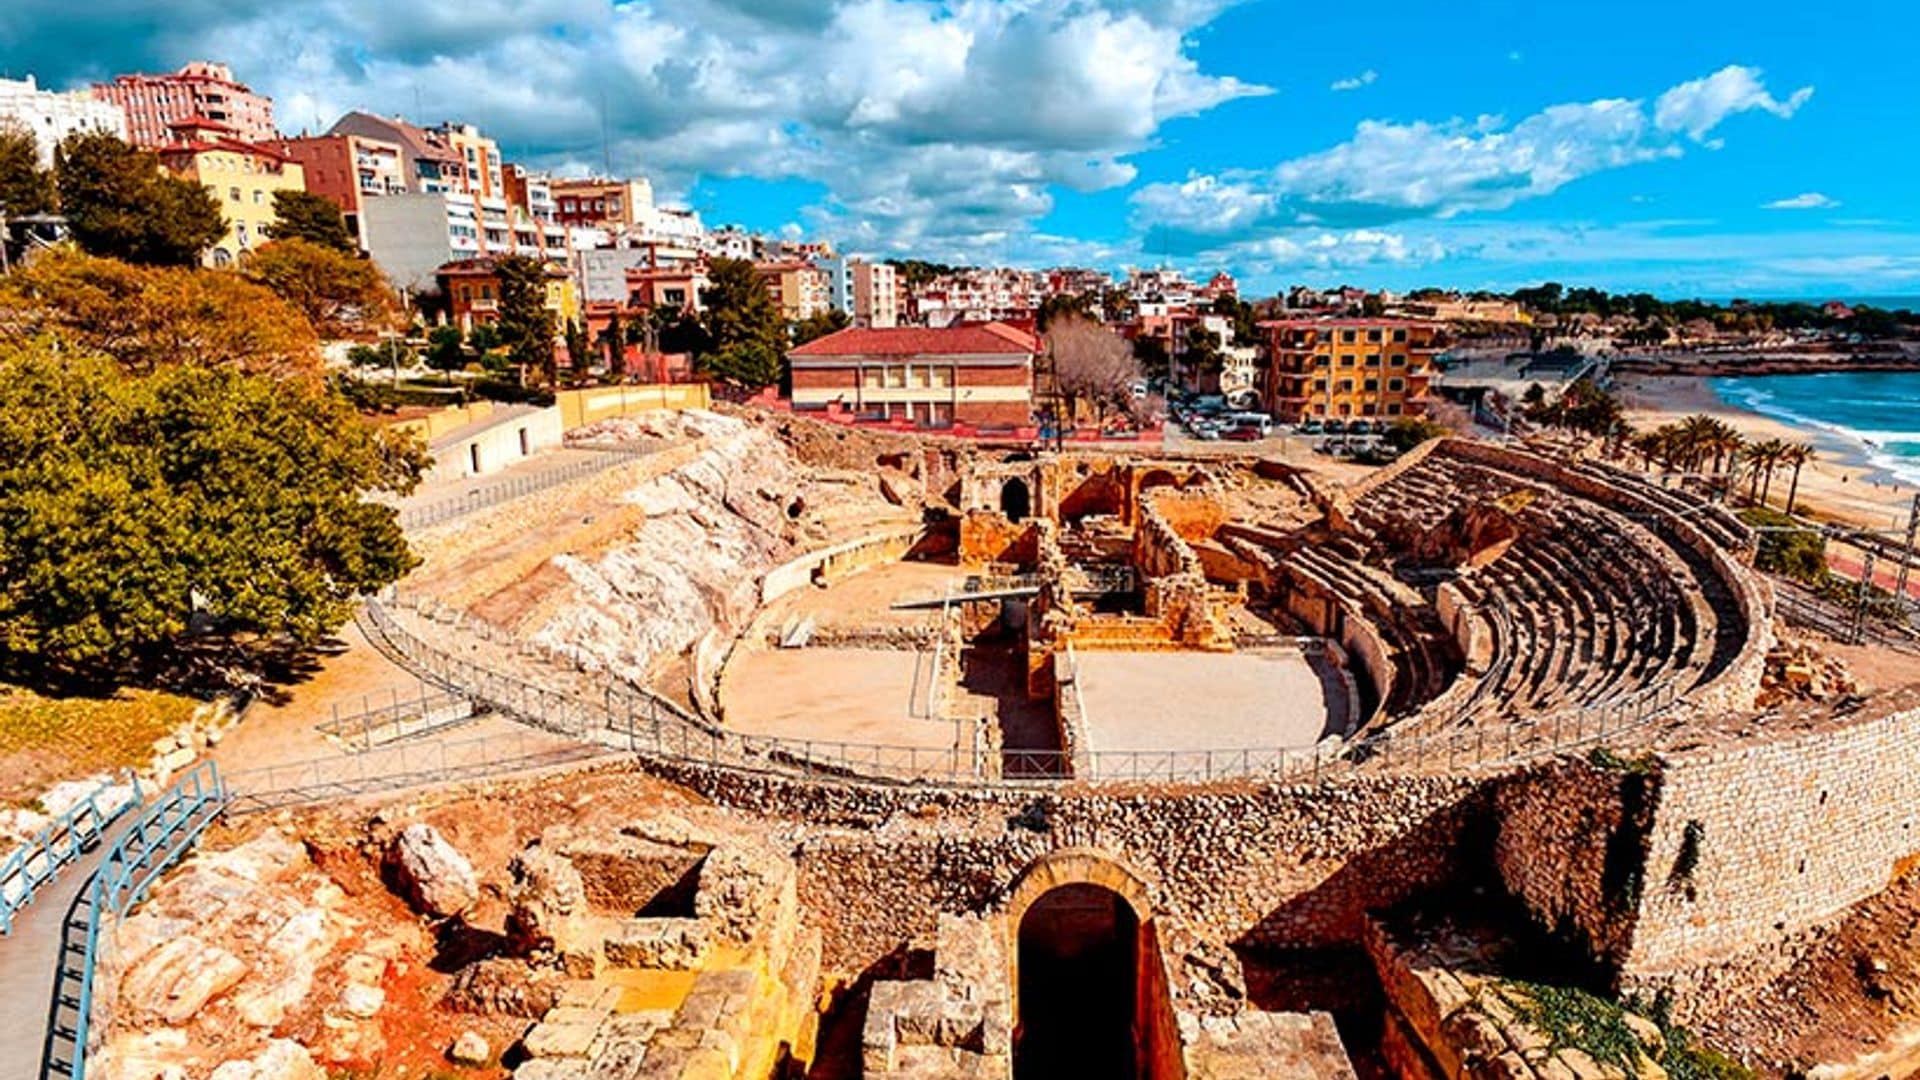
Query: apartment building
429	163
346	170
978	373
200	89
50	116
614	205
801	289
876	296
241	176
1346	368
472	290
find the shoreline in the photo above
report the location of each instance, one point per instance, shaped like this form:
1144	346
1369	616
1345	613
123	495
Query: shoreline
1840	484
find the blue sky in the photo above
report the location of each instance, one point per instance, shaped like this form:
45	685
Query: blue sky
1711	149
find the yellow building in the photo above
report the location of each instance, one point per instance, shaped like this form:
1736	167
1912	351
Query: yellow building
472	290
241	176
1327	369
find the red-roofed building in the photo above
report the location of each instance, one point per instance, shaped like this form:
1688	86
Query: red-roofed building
973	373
241	176
153	103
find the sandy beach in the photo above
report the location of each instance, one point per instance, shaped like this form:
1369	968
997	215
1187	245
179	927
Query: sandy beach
1838	485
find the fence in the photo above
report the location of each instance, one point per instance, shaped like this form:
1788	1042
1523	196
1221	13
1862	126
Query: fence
64	840
166	828
625	718
513	487
374	724
403	765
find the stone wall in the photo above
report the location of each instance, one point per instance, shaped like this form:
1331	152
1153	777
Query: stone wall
833	563
1570	847
1268	865
1753	844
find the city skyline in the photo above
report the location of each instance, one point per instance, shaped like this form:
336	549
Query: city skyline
1718	156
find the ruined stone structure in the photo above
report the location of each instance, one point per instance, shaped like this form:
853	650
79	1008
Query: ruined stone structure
1530	688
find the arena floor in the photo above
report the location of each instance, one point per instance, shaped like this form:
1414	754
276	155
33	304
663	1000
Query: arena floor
1185	701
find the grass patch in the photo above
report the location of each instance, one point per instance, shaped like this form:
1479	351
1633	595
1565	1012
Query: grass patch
1572	1018
47	739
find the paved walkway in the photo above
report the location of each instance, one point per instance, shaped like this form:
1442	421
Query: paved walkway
30	959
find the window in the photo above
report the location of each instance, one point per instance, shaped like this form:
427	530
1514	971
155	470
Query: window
942	377
870	378
259	196
1345	386
233	194
1399	333
896	378
1393	408
1396	385
1324	335
1373	335
1371	385
486	292
1399	360
1348	337
916	377
1373	359
1346	359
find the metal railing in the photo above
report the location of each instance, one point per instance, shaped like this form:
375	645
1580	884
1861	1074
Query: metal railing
399	766
166	828
513	487
64	839
623	717
378	724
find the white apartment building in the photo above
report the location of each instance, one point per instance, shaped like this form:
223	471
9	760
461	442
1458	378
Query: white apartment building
50	115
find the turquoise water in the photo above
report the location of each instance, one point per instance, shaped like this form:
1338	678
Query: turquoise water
1872	418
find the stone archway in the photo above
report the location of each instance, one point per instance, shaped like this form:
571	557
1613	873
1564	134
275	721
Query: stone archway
1016	501
1083	969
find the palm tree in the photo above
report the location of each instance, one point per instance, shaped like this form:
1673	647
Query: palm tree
1763	458
1796	455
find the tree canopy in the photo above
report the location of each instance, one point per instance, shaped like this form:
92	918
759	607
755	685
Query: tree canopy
747	334
819	325
302	215
25	188
150	317
525	324
1091	364
339	293
119	203
137	506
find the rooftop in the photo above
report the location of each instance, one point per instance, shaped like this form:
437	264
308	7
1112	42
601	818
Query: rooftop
961	339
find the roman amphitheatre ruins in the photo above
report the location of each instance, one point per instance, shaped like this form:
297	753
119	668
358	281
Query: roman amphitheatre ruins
876	755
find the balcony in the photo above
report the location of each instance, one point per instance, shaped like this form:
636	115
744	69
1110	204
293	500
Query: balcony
483	307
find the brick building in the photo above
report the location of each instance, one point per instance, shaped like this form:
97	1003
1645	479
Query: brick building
347	169
1344	368
977	373
200	89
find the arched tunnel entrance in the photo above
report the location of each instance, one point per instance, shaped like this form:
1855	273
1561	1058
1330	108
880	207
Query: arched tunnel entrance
1079	958
1015	500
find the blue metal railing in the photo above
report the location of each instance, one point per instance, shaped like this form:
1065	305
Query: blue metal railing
164	831
65	839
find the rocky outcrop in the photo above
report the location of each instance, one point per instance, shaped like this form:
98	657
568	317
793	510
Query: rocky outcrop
431	873
281	1060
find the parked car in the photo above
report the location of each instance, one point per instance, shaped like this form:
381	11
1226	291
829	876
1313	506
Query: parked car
1336	426
1245	434
1311	427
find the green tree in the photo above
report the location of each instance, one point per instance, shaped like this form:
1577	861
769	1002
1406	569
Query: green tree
136	505
120	204
748	336
445	349
579	350
525	322
25	188
1151	352
302	215
819	325
339	293
1410	431
484	338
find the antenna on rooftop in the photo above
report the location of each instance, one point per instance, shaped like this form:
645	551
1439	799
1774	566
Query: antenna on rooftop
606	133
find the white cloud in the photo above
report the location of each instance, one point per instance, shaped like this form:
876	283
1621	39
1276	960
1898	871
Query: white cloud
943	120
1809	200
1391	171
1698	106
1365	78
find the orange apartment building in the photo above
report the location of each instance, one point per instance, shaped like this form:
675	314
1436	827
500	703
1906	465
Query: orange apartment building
1327	368
974	373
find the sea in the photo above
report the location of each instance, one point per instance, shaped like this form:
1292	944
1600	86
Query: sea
1871	418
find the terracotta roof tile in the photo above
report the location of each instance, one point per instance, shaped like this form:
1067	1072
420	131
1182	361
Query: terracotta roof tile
962	339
